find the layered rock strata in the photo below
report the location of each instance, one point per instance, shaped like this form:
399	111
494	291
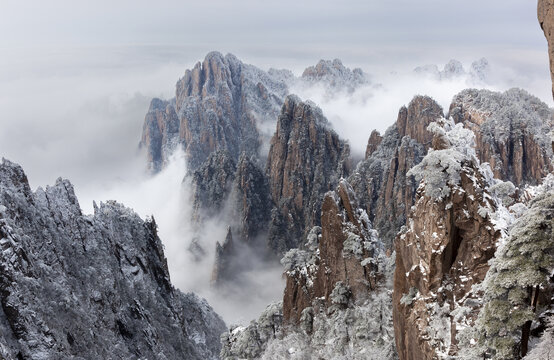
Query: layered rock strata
306	159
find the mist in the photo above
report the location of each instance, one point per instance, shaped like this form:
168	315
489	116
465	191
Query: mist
375	106
78	112
166	197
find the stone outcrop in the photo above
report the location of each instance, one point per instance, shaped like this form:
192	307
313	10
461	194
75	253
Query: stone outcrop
545	12
346	240
220	104
413	120
373	143
306	159
477	75
251	200
512	132
224	264
443	250
380	180
334	75
211	185
160	133
89	286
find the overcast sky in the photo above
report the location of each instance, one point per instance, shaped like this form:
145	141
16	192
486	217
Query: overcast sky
353	29
79	75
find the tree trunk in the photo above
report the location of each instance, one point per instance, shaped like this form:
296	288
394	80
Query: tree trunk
526	329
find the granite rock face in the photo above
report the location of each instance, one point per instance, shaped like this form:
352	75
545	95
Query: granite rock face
224	264
437	261
443	250
337	297
306	159
160	133
221	104
512	132
211	184
373	143
334	75
346	239
545	12
87	286
380	180
251	200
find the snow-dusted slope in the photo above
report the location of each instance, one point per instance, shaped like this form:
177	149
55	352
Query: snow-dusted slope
77	286
220	104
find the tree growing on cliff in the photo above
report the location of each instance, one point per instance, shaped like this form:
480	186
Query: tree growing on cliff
519	272
545	348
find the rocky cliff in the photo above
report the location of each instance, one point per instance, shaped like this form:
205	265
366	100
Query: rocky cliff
211	184
345	248
333	75
220	104
512	132
454	70
545	12
306	159
438	258
160	133
251	201
337	297
89	286
380	180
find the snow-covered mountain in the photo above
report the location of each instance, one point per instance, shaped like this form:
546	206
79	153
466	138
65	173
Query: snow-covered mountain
76	286
438	244
478	73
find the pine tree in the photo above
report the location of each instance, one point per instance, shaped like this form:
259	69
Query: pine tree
518	273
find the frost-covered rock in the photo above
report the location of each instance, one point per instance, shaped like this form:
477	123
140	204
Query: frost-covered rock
220	104
306	159
380	181
334	76
250	342
444	248
452	69
336	303
77	286
348	252
160	133
479	71
211	185
441	168
545	12
511	132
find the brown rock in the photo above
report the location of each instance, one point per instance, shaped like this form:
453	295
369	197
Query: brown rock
511	132
444	252
380	180
340	219
161	126
414	120
545	12
224	264
220	105
306	159
373	143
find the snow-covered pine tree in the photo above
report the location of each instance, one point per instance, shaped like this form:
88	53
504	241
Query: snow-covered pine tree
519	272
545	348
